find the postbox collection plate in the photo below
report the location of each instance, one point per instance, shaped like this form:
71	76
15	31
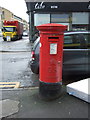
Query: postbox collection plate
53	48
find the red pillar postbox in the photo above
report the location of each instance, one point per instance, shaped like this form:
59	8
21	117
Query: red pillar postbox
51	54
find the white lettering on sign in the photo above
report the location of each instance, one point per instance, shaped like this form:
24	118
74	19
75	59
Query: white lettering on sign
39	5
54	7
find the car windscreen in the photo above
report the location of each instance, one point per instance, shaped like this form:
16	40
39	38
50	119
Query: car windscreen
9	29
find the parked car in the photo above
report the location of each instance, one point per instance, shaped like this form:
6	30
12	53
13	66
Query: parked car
25	33
75	57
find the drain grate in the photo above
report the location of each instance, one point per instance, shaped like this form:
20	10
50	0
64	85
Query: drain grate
9	85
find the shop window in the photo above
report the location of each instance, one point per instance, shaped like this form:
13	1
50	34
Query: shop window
41	19
57	18
80	18
3	15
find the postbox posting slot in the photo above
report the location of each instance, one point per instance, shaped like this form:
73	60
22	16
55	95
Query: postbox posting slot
53	48
53	38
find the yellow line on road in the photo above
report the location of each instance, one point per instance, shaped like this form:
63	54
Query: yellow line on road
9	84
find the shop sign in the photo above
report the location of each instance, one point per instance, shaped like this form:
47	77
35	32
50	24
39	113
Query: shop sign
61	6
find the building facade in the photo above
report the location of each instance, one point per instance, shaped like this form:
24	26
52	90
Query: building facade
0	18
9	16
76	14
25	25
6	14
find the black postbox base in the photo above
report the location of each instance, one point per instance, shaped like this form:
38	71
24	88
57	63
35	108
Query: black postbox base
50	91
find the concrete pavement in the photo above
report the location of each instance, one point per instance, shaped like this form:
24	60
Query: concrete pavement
15	63
28	104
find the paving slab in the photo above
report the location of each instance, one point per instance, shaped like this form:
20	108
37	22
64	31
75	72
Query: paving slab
9	107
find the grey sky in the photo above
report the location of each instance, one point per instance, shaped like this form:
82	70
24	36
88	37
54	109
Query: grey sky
18	7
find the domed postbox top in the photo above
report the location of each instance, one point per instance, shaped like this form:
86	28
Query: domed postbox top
52	27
